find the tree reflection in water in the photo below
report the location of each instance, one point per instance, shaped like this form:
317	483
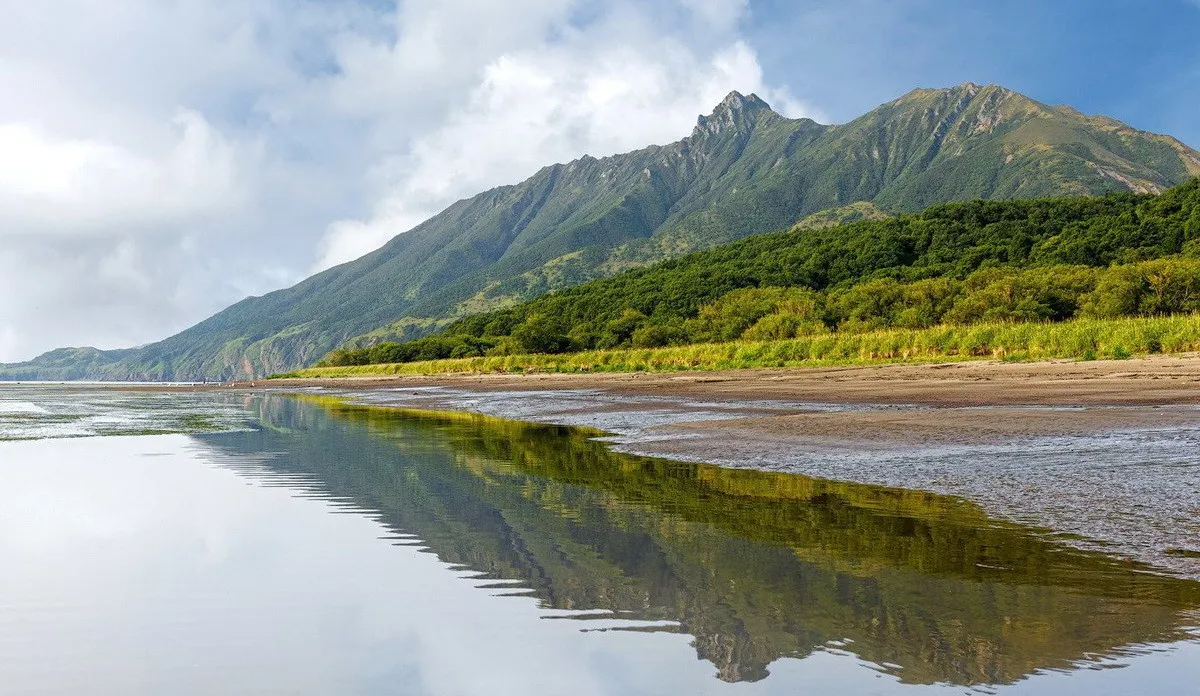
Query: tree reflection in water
754	565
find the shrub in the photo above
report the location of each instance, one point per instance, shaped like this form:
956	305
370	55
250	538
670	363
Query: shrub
541	334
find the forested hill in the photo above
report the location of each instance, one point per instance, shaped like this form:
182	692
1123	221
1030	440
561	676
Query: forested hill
744	170
1028	260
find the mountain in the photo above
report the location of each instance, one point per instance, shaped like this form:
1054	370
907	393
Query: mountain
65	364
744	170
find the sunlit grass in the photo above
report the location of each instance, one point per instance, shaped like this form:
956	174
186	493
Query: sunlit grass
1084	339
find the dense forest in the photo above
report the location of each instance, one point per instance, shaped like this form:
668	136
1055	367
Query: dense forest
1120	255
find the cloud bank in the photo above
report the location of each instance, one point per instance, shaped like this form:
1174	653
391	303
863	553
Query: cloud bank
162	160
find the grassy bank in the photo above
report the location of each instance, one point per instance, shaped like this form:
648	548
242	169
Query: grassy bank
1080	340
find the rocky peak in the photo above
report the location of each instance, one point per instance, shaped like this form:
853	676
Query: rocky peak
958	93
962	110
735	112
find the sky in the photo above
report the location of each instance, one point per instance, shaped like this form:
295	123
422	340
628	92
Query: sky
162	160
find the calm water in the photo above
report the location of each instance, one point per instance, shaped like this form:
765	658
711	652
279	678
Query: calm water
301	546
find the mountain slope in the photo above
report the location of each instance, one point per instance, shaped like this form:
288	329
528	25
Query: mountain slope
744	170
1044	259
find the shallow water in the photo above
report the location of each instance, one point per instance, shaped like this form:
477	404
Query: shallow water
1132	492
319	548
35	412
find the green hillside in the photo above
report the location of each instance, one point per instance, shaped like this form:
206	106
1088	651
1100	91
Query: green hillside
744	170
65	364
1120	255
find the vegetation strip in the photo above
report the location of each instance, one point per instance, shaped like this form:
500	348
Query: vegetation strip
1085	339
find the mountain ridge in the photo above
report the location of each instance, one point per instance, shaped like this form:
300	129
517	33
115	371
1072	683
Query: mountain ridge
744	169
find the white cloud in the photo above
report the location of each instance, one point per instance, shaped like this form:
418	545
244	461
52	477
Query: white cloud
140	189
71	187
162	160
585	93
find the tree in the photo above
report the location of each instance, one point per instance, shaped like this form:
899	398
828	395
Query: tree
541	334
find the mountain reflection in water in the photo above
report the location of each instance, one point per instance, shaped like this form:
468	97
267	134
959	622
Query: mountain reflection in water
754	565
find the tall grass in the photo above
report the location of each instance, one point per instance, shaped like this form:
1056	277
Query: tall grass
1084	339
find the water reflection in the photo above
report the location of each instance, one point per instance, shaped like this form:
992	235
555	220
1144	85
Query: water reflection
754	565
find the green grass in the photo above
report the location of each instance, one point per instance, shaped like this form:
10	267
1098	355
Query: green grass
1112	339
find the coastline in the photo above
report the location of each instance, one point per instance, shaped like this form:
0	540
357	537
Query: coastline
1100	454
1149	381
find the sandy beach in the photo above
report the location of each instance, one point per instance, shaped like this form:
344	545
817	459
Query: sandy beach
1158	380
966	403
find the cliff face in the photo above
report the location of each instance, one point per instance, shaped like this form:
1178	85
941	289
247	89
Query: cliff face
745	169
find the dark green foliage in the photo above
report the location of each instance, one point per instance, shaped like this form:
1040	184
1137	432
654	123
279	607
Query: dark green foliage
761	313
431	348
981	261
540	333
617	332
1164	286
1039	294
886	302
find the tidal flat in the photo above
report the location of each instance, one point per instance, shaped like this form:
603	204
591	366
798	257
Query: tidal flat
1123	479
383	542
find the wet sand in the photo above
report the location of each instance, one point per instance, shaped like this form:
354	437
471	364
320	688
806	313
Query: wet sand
990	400
943	426
1156	380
